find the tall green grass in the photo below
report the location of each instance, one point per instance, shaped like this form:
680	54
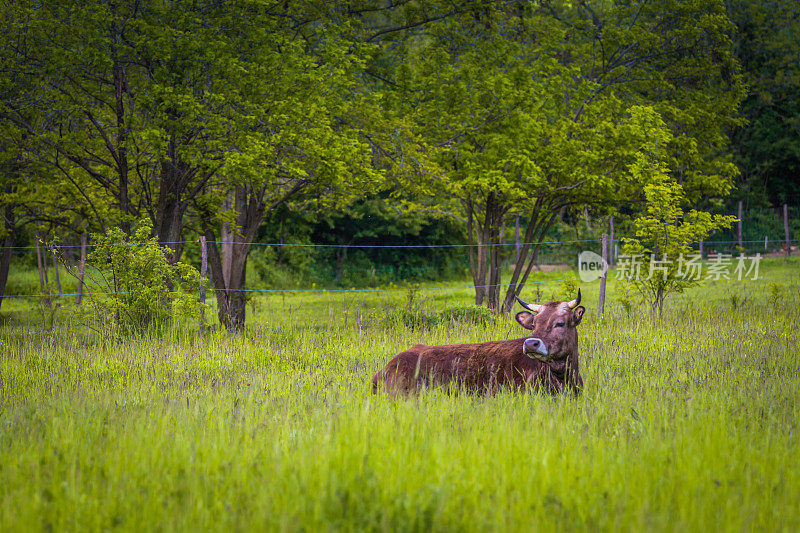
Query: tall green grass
689	422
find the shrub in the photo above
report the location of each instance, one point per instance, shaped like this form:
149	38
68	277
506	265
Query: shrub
424	318
625	296
566	291
468	314
139	289
775	294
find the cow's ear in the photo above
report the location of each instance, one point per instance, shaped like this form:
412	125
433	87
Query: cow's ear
525	319
577	314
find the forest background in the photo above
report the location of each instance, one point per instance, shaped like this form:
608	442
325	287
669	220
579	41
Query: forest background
437	130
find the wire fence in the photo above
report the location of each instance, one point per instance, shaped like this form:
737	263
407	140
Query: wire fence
760	231
52	294
352	290
730	242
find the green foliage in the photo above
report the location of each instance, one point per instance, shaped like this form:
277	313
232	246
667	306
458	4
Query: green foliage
422	317
625	295
468	314
280	268
418	313
111	111
145	291
776	293
567	290
767	148
522	111
665	233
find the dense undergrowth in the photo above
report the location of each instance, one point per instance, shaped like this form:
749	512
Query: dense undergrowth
690	422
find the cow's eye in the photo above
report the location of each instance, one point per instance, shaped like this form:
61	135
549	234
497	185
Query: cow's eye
559	324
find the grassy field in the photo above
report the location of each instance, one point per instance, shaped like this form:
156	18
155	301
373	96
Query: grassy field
686	423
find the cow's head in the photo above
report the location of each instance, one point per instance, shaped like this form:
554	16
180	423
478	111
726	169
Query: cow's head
555	337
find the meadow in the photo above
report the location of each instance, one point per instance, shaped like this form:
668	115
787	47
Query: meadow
688	422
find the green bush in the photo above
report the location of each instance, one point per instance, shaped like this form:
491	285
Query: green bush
567	291
467	314
139	289
422	317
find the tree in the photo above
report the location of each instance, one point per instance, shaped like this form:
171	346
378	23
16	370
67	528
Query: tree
36	186
165	106
143	100
534	108
300	146
767	147
665	233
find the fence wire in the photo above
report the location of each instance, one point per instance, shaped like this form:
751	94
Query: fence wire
351	290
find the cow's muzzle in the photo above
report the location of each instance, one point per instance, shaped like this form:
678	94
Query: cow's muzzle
534	347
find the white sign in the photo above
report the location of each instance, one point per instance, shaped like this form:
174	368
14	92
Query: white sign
591	266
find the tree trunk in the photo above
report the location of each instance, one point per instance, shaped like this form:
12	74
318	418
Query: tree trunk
535	233
493	292
5	264
485	254
121	156
341	257
483	250
172	204
471	243
495	263
227	241
8	242
530	231
232	296
237	295
203	270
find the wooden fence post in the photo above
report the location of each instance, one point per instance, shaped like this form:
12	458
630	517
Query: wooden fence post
81	269
786	230
602	303
41	261
58	278
39	265
203	265
739	233
611	248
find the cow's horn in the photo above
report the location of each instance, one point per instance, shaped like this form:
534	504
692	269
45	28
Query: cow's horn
574	303
530	307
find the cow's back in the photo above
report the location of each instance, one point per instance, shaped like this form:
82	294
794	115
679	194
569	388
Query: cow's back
470	365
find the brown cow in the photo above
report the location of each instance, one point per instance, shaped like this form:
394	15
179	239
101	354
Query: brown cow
547	360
